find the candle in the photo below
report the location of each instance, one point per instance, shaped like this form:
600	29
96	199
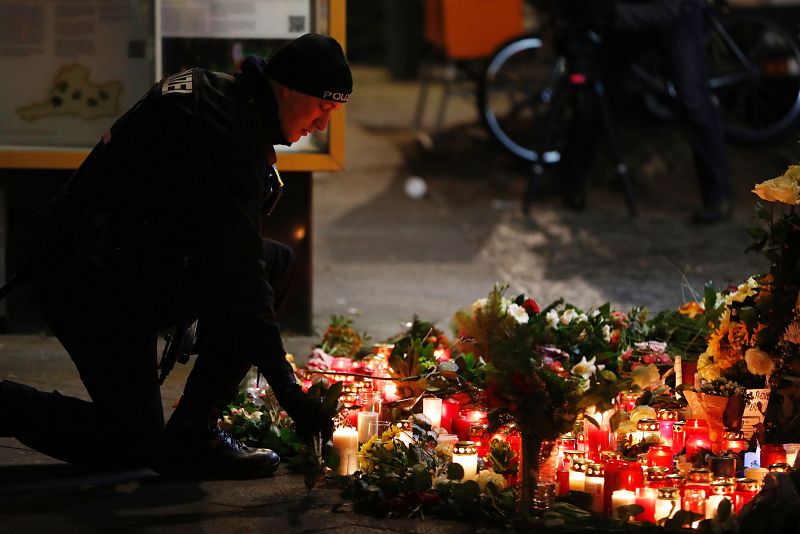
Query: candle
465	453
756	473
646	498
621	498
610	479
647	431
732	441
594	485
364	420
628	400
659	456
564	443
668	501
678	437
665	432
597	440
577	475
630	476
723	466
791	452
562	481
694	500
695	447
465	420
656	477
772	453
719	491
345	441
746	489
450	409
344	365
432	409
352	416
780	467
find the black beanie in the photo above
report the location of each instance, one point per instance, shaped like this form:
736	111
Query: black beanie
313	64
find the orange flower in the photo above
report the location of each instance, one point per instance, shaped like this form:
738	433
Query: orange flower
691	309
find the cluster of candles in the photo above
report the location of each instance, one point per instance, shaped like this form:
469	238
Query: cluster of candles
707	474
585	459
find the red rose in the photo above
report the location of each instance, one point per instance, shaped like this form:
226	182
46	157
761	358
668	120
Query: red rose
530	306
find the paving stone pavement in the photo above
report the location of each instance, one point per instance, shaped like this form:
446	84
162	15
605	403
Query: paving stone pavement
381	257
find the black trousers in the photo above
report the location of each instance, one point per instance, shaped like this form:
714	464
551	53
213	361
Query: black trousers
677	29
115	352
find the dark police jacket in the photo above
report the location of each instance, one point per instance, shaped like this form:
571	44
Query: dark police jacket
166	213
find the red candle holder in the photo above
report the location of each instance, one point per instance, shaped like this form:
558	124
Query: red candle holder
628	400
450	410
659	456
746	489
772	453
597	440
646	498
465	420
610	481
732	441
678	437
630	476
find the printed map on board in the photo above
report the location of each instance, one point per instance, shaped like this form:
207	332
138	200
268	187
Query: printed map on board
73	94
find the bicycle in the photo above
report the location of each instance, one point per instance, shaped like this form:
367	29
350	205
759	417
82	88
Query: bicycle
754	65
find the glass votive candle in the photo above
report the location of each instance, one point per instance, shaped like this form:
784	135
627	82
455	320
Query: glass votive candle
746	489
594	485
659	456
605	456
699	478
465	420
577	475
621	498
628	400
432	409
572	455
719	492
675	480
732	441
647	430
772	453
465	453
694	500
370	401
668	501
780	467
757	474
630	476
564	443
678	437
646	498
656	477
723	466
450	411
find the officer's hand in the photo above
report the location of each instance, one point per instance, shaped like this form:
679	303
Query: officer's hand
309	417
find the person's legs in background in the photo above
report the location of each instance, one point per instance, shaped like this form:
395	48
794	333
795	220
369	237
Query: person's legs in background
686	50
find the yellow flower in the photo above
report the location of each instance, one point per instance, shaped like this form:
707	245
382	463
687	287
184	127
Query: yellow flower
747	289
706	367
759	362
785	188
645	375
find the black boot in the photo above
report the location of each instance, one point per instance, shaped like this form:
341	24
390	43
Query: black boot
197	448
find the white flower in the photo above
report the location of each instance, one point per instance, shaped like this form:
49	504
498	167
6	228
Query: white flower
568	316
584	369
606	331
551	318
486	476
518	313
479	305
594	313
582	318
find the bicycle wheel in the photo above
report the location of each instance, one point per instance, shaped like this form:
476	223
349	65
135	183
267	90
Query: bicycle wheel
754	65
516	95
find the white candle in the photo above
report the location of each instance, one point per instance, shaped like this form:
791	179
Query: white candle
432	409
345	441
364	419
666	508
466	455
712	504
577	476
621	498
594	487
